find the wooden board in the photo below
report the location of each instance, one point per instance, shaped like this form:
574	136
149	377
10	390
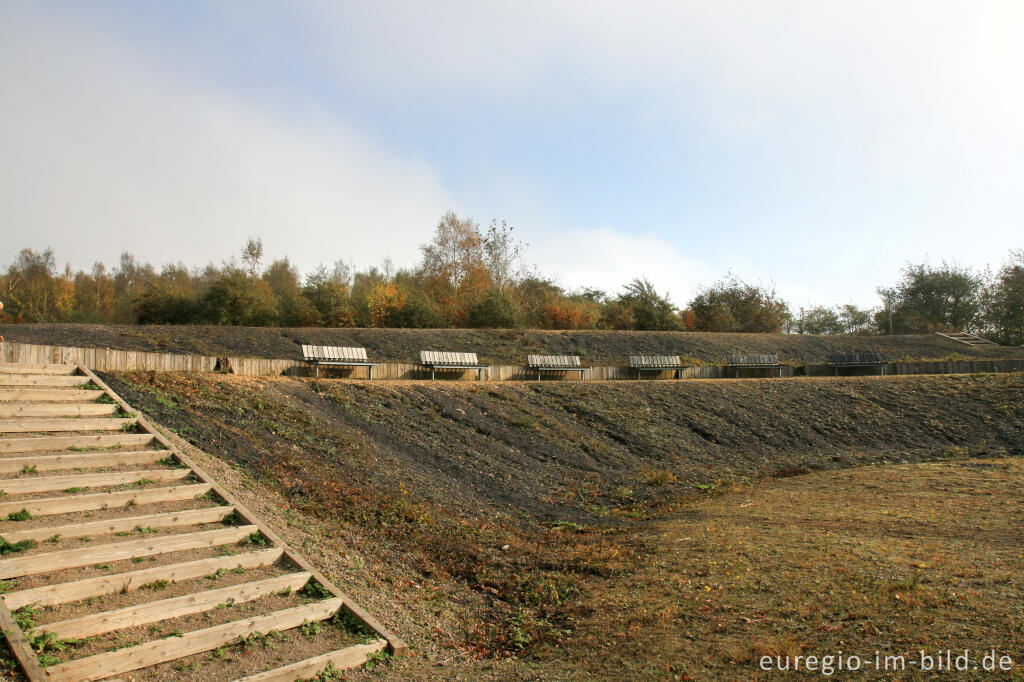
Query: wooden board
62	593
36	368
25	368
42	425
46	506
41	380
349	657
43	484
49	443
94	460
57	410
119	551
174	519
151	653
175	607
28	395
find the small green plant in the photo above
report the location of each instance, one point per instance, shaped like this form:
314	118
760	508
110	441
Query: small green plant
347	620
171	461
257	539
156	585
128	427
143	482
85	538
175	633
26	616
29	469
232	519
310	628
138	559
22	515
220	654
15	547
74	490
224	571
6	586
144	530
314	590
54	538
377	659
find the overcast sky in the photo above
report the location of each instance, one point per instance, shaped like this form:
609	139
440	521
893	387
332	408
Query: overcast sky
819	145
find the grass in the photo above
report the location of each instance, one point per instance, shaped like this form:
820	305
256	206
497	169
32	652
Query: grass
22	515
15	547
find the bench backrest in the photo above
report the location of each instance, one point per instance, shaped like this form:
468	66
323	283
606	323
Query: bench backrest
333	354
553	361
652	361
440	358
752	360
859	358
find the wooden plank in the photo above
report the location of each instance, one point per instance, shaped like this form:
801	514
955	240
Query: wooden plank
41	425
349	657
175	607
118	551
48	443
15	465
42	380
151	653
36	368
43	484
62	593
66	395
47	506
20	647
58	410
175	519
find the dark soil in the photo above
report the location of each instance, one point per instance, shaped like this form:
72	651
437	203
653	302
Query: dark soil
495	346
567	451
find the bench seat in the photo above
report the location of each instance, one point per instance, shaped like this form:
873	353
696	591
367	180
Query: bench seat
340	356
435	360
556	363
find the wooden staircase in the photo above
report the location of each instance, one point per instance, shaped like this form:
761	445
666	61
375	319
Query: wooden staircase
100	516
968	339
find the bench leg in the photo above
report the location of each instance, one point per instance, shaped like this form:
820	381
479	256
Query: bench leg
370	367
317	369
431	373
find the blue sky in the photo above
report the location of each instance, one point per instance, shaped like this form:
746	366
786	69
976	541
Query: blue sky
819	146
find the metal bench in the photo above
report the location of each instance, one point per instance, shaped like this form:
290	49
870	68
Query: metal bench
740	361
337	355
859	359
655	363
435	360
556	363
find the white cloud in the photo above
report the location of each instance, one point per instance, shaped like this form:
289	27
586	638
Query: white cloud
105	152
608	259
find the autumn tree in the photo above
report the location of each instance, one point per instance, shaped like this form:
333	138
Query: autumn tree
1005	310
732	305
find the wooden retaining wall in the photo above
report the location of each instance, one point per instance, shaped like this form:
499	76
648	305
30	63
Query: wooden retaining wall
108	359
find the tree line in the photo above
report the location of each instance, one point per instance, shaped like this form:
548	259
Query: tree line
471	276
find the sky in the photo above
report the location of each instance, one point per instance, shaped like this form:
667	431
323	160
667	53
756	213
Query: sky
814	146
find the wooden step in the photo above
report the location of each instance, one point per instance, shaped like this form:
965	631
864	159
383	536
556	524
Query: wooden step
47	506
57	410
118	551
49	443
48	380
44	484
35	368
158	651
93	460
45	395
41	425
175	607
175	519
62	593
349	657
